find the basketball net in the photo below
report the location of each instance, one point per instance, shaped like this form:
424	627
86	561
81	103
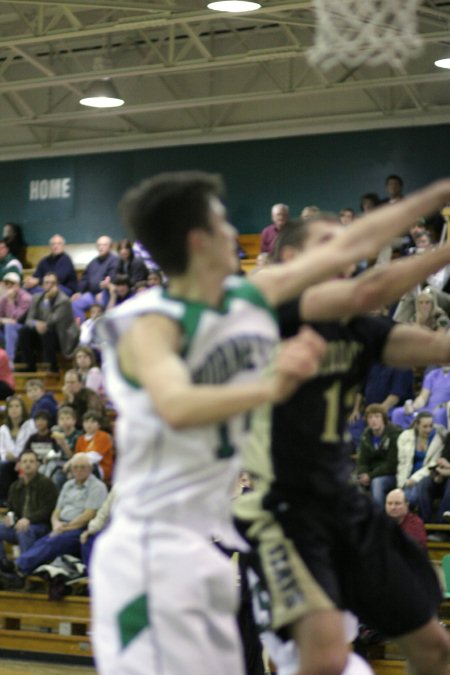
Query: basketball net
353	32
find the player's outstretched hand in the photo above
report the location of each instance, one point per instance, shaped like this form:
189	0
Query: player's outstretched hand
298	360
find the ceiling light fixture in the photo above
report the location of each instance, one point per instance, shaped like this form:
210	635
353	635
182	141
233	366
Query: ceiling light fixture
443	63
102	94
234	6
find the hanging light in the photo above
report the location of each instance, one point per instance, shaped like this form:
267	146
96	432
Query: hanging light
234	6
102	94
443	63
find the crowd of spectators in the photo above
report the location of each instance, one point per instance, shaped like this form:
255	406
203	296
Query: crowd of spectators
56	448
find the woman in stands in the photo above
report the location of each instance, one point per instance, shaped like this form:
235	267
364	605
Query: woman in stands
132	266
14	434
85	363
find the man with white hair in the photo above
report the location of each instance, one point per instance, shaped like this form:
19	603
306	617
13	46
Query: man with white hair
280	216
57	262
96	277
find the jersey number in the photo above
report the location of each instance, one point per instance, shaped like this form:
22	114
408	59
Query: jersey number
332	397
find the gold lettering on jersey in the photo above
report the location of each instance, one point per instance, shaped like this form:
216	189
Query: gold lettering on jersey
284	578
340	357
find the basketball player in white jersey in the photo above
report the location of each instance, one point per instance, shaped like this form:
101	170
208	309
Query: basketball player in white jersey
184	368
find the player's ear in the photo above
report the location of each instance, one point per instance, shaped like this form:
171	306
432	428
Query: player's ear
196	240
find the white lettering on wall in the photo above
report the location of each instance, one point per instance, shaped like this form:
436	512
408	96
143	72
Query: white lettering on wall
54	188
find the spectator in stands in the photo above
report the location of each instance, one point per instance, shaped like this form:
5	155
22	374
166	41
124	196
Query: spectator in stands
31	499
119	291
41	399
155	278
436	486
397	507
96	277
418	448
96	444
8	263
369	202
14	433
427	312
384	385
85	363
65	434
133	267
77	504
87	328
7	382
50	324
80	398
59	263
95	526
310	211
346	215
14	305
42	441
13	235
394	189
377	454
433	396
280	216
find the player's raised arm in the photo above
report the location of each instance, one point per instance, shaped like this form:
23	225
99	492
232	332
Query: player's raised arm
361	240
376	287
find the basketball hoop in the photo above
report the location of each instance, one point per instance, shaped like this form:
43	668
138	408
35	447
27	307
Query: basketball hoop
353	32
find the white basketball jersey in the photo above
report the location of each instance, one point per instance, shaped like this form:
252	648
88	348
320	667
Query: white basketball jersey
187	476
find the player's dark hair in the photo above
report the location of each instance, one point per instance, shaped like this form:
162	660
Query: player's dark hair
161	211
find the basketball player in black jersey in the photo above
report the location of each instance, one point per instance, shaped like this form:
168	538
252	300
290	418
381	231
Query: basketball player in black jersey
363	562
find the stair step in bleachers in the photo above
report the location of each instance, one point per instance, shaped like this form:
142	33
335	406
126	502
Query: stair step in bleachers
30	622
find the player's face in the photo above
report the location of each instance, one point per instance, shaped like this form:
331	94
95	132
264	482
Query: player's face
222	239
321	232
375	422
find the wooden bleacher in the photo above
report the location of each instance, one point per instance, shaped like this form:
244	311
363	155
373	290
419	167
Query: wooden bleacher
30	623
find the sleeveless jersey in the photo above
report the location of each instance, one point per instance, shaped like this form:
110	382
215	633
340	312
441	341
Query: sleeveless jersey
187	476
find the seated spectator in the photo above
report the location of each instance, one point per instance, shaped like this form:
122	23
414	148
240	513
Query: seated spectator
130	265
280	216
436	486
85	363
14	433
397	508
96	277
87	328
95	526
119	291
433	397
13	235
41	399
7	382
42	442
96	444
369	202
50	325
8	263
31	499
384	385
427	313
346	215
80	398
377	454
58	263
155	278
418	448
65	436
310	211
438	280
78	502
14	305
